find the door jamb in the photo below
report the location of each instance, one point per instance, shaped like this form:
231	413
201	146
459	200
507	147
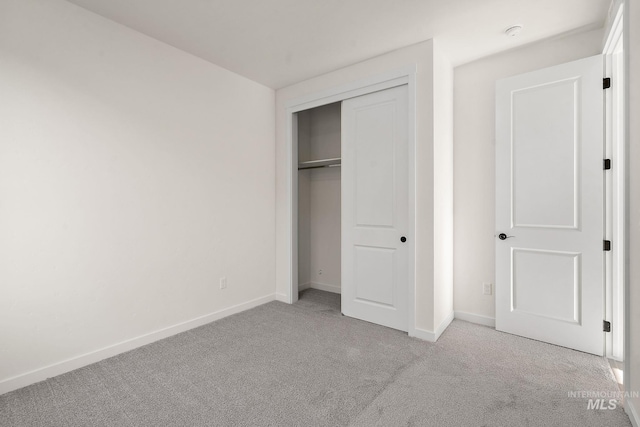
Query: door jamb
615	187
406	75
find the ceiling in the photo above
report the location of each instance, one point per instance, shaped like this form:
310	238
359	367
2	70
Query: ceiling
281	42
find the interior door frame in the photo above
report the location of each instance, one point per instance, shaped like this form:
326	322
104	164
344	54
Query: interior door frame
615	189
399	77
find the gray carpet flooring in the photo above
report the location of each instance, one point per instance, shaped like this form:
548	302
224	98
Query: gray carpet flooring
306	365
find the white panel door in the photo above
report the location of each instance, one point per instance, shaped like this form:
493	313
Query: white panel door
375	208
549	205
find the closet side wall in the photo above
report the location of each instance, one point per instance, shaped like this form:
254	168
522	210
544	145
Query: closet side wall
324	194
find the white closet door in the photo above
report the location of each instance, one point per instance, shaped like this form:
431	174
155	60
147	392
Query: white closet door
375	208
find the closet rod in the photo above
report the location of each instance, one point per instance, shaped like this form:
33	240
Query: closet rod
319	164
317	167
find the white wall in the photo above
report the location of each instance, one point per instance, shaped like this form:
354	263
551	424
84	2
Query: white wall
420	56
474	158
443	187
632	49
325	131
132	177
325	225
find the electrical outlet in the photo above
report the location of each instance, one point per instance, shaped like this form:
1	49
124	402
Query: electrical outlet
320	272
487	289
223	283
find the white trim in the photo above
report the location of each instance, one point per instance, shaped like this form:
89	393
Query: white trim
411	277
423	334
351	90
476	318
632	412
73	363
325	287
615	188
628	383
616	28
405	75
303	286
350	93
292	205
282	298
444	324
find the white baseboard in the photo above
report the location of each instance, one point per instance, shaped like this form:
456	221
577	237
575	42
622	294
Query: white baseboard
476	318
430	336
632	412
303	286
73	363
282	298
444	325
325	287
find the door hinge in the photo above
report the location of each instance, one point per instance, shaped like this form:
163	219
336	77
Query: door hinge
606	326
607	164
607	245
606	83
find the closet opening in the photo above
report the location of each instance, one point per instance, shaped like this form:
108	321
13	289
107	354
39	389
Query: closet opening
351	200
319	199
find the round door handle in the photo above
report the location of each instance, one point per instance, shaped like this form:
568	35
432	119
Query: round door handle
503	236
403	239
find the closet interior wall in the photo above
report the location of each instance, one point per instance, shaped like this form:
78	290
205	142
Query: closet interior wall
319	241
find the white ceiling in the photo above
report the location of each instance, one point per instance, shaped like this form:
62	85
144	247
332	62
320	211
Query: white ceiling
280	42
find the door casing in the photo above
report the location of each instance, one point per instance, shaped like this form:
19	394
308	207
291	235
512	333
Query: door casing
615	187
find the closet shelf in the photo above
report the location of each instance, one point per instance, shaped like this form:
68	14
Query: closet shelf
324	163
